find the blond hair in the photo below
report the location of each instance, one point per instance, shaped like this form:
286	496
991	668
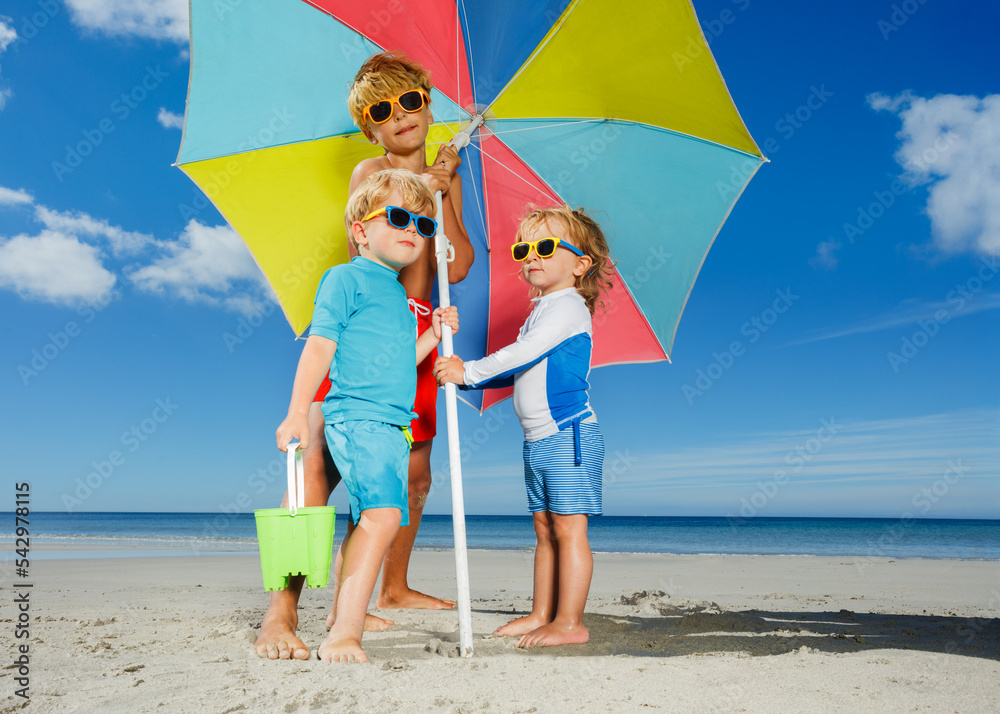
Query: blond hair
384	75
375	190
584	233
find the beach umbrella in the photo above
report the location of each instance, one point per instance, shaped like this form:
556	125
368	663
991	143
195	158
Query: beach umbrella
620	109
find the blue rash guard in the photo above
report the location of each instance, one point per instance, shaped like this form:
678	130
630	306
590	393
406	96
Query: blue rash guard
362	307
548	366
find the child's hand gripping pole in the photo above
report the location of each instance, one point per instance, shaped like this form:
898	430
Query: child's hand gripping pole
296	479
442	244
442	249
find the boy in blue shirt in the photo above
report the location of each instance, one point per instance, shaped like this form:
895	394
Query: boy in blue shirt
364	334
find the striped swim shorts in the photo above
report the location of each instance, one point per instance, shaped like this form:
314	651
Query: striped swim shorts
553	479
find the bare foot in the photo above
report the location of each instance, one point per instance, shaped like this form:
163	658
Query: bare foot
555	634
277	638
412	600
373	623
343	651
521	626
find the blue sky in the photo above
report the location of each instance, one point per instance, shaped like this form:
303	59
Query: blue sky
837	355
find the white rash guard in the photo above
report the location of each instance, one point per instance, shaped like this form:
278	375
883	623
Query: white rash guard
548	366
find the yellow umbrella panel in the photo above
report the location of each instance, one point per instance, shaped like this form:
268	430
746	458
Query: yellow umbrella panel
287	203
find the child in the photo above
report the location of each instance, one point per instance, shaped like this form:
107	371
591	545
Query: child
564	259
379	84
390	102
364	335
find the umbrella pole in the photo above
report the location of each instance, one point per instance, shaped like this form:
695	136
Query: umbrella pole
454	450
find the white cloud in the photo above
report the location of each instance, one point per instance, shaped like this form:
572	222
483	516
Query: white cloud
833	466
825	257
79	223
169	120
7	33
952	144
53	267
14	197
59	265
207	264
67	262
956	304
155	19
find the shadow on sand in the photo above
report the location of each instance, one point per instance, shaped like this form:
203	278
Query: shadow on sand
665	630
759	632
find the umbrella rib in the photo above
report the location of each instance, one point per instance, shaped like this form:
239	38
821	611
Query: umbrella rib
459	33
552	33
479	204
549	126
718	71
444	122
551	194
718	230
482	218
472	66
632	122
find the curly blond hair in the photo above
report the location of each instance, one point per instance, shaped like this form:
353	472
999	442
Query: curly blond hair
384	75
584	233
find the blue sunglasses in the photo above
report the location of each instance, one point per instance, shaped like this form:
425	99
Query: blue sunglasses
401	218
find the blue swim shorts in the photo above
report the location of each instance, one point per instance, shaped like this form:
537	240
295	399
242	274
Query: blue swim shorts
555	482
374	461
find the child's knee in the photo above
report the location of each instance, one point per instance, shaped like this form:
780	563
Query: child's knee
569	526
419	484
543	527
381	519
419	472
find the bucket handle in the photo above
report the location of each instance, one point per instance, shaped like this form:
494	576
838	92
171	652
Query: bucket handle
296	479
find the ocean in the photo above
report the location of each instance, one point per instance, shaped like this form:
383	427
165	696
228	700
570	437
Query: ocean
141	534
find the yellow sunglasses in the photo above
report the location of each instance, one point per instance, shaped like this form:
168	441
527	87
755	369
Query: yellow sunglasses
410	101
543	247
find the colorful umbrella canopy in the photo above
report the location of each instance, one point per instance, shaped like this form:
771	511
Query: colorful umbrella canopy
624	113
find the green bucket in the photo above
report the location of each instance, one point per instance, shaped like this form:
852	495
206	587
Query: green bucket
295	540
295	545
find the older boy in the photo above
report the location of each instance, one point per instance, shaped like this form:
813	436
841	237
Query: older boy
390	103
361	321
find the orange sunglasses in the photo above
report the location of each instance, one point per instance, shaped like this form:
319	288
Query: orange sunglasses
410	101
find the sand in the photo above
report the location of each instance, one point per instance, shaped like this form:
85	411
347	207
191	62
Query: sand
668	633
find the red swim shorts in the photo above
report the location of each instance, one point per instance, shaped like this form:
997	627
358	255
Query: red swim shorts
424	427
